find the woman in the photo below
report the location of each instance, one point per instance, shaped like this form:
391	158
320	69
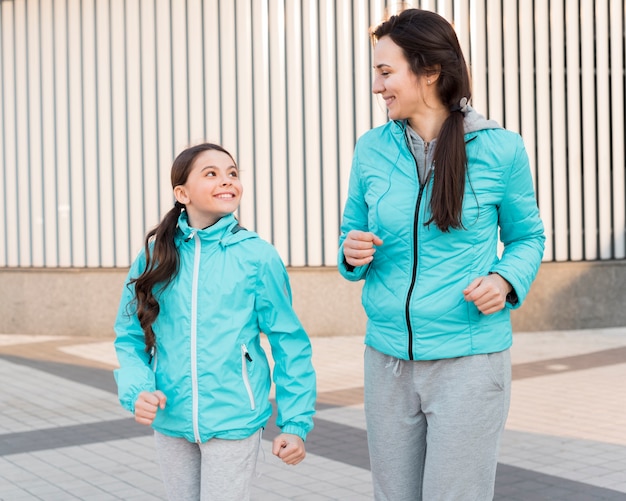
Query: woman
429	192
188	339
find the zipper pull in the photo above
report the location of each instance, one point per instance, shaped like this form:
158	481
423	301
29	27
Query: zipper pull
152	351
245	353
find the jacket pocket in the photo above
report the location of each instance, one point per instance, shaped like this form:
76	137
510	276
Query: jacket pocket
245	360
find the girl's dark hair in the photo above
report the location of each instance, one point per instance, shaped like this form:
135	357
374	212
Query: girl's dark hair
430	45
160	249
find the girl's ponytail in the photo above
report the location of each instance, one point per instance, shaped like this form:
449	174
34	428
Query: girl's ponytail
161	267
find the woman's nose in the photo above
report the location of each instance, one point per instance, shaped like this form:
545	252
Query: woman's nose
377	87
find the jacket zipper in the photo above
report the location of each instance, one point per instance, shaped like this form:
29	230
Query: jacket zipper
245	357
154	359
407	310
193	340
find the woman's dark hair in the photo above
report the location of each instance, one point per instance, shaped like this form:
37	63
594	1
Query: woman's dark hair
430	45
160	249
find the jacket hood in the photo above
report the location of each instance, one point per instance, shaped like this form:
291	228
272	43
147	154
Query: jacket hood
226	231
474	121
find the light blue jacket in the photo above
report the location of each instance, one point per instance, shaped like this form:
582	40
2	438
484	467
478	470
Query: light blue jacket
413	291
208	361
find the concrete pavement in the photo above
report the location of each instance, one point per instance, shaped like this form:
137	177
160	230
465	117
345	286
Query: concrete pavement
63	435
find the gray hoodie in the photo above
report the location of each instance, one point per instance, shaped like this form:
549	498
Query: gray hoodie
423	151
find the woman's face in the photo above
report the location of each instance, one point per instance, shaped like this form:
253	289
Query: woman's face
212	190
401	89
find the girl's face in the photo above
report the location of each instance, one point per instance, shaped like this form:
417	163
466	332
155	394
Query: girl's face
401	89
212	190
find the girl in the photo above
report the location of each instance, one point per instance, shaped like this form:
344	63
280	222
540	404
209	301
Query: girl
188	338
429	192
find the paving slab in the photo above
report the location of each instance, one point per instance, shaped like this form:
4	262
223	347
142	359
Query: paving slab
63	435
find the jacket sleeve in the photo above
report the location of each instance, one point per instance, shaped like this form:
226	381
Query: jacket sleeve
521	228
134	374
354	218
293	374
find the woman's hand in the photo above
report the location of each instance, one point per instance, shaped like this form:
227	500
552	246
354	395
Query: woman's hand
289	448
147	404
488	293
358	247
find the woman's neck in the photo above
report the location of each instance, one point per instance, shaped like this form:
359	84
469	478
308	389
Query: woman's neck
428	125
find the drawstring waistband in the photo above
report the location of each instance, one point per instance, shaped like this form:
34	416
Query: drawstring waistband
397	366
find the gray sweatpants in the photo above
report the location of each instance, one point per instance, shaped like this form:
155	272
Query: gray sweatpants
217	470
434	427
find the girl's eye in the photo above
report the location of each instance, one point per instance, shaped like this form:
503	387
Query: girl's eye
210	174
234	174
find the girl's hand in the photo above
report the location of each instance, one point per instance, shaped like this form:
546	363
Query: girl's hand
289	448
147	404
488	293
358	247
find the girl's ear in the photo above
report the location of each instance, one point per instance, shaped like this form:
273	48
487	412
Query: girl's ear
181	195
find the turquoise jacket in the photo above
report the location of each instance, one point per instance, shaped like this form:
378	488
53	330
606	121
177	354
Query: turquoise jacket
413	290
231	286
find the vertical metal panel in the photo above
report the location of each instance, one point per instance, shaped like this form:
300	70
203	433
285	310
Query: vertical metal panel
155	172
104	142
164	103
3	187
574	130
368	109
211	76
589	142
617	21
195	76
125	215
494	84
314	239
603	131
98	96
334	173
379	111
36	189
272	148
279	126
510	60
87	128
296	192
62	133
346	129
478	56
542	97
135	162
558	138
23	228
527	78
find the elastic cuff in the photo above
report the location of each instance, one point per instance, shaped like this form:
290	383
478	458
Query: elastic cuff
294	429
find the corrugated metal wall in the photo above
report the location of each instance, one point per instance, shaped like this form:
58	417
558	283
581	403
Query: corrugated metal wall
98	96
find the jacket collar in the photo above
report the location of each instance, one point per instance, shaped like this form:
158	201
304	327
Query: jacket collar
225	231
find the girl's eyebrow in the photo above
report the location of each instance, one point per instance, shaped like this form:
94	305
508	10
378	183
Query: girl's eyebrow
216	167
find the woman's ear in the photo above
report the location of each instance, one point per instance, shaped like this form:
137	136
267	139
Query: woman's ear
432	74
181	194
